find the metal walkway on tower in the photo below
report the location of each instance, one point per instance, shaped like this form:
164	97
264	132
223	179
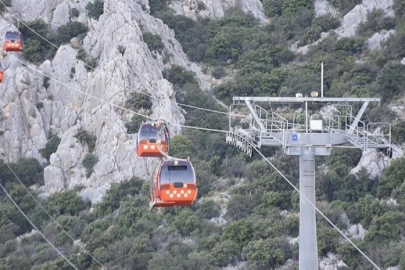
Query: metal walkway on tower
283	128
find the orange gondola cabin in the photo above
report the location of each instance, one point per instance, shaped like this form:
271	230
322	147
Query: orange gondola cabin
174	184
1	73
13	41
150	135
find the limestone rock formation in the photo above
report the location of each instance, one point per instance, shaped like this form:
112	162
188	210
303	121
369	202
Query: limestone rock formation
323	8
359	13
373	161
351	21
374	43
331	262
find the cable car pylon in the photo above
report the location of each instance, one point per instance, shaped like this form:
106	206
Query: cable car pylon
315	136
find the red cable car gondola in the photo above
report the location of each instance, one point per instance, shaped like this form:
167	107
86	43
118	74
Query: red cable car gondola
173	184
1	73
13	41
149	137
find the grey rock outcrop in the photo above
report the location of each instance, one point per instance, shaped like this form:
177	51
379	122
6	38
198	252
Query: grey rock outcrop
374	43
218	8
29	10
323	8
359	13
331	262
21	127
61	16
373	161
351	21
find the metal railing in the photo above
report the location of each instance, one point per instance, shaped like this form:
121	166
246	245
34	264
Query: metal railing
381	137
263	116
278	124
359	133
363	135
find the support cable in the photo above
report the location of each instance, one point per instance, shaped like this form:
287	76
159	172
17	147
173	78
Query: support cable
106	101
92	68
57	223
35	227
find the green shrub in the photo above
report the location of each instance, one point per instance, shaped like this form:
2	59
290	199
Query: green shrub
71	29
157	7
117	193
186	222
91	63
294	6
319	25
193	35
72	72
74	12
209	209
154	42
240	232
218	72
273	7
29	171
268	253
178	76
226	252
376	22
138	100
345	5
135	124
81	54
121	49
94	10
389	227
88	162
347	157
398	132
65	203
353	45
201	6
45	82
50	147
36	49
391	80
84	137
392	177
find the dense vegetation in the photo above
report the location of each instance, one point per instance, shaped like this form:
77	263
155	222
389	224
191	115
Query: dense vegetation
123	234
246	211
37	48
94	10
